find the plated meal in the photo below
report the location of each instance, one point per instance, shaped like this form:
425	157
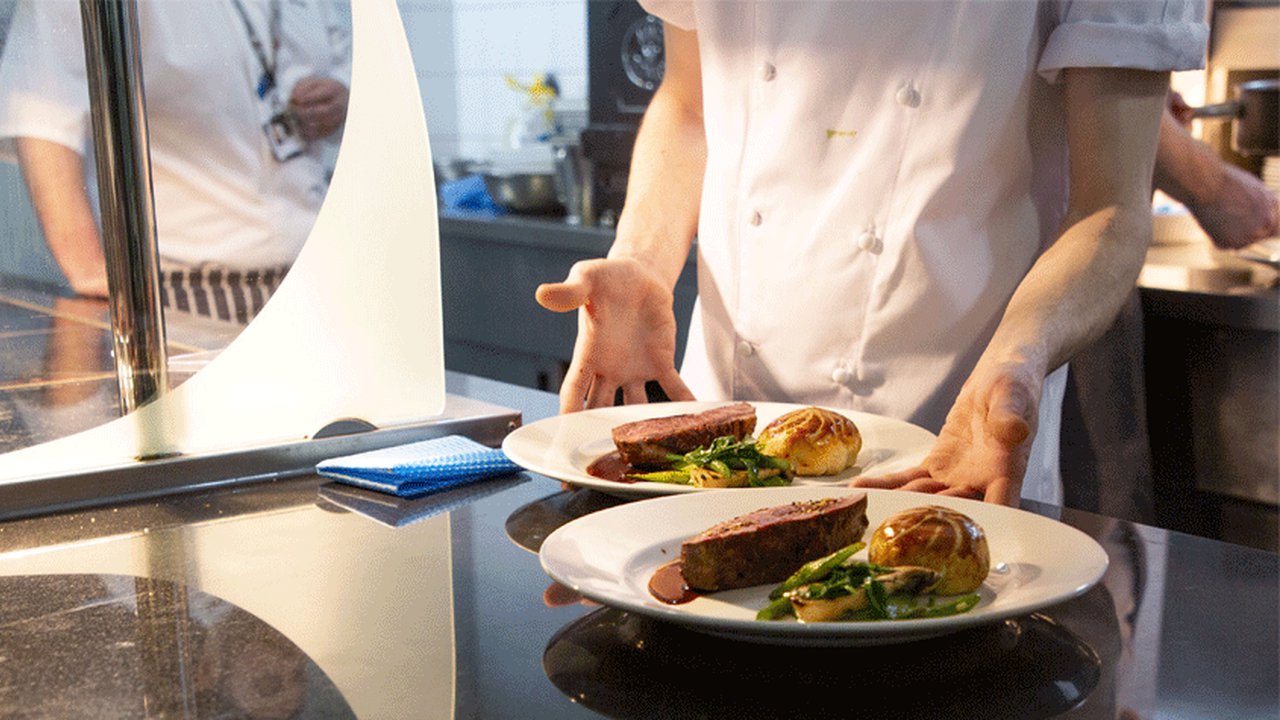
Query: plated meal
789	565
715	448
918	557
671	448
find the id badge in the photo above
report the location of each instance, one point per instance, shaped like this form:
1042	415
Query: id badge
281	129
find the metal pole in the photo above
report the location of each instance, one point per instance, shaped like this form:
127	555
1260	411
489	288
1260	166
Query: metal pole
124	182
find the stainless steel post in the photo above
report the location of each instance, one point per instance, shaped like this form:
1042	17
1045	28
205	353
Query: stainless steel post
124	181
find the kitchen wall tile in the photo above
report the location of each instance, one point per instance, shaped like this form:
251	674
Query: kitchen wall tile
440	104
520	36
488	40
431	39
429	28
486	107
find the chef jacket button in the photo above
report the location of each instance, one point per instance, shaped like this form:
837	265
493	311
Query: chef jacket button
869	242
746	349
755	218
840	376
908	97
768	71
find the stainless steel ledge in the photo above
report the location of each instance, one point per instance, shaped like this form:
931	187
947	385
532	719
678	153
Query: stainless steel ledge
483	422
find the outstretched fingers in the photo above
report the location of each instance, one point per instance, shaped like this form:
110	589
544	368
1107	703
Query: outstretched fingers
570	294
561	296
573	392
673	385
602	392
892	481
1008	415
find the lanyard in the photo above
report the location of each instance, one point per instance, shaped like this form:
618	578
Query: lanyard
268	62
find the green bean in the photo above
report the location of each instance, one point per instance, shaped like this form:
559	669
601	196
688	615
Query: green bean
815	570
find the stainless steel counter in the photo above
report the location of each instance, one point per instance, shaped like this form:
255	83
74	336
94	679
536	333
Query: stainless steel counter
1212	348
57	379
1196	283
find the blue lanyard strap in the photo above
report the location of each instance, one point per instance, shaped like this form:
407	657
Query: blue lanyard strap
260	49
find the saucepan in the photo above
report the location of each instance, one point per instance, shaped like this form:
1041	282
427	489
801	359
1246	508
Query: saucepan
1254	117
524	192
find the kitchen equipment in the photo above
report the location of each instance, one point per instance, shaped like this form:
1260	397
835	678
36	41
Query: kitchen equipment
574	183
1244	46
456	169
1254	117
625	63
529	193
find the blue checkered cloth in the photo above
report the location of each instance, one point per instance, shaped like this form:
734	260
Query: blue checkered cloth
420	468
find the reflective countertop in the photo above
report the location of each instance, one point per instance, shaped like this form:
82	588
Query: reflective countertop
299	599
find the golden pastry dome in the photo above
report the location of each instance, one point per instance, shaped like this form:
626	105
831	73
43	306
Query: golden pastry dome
814	440
938	538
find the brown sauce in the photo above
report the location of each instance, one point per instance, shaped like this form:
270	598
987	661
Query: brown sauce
667	585
611	467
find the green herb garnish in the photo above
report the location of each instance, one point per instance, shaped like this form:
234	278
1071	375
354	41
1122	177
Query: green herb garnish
838	575
724	456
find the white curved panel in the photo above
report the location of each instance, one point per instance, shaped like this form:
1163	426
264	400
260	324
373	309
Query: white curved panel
354	330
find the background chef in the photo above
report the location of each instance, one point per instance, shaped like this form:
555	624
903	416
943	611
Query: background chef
237	92
920	210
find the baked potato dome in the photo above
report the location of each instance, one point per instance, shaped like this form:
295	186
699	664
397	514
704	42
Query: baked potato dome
938	538
814	440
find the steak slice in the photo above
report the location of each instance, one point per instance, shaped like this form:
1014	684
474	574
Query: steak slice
768	545
648	442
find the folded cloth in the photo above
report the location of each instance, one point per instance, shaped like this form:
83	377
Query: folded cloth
419	468
469	195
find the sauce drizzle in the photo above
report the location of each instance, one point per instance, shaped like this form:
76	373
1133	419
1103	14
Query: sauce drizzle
667	585
611	467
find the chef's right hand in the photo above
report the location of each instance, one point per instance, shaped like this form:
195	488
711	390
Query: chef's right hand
626	333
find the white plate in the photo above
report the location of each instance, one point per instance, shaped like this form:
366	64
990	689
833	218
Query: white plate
610	555
563	446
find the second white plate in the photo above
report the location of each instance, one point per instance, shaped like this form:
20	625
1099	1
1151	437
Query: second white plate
563	446
610	555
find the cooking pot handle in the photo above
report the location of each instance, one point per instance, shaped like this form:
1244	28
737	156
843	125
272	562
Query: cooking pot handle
1226	110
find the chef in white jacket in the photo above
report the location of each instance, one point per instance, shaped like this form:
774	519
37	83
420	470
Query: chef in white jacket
232	194
915	209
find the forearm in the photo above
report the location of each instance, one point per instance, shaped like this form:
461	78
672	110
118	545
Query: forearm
1073	291
54	175
1186	169
664	189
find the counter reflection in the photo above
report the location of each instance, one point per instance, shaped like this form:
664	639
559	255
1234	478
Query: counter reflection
134	647
627	666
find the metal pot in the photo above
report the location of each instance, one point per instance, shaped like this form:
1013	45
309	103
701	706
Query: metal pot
528	193
1254	115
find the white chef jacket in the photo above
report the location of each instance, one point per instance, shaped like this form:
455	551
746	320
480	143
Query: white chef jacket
880	176
220	195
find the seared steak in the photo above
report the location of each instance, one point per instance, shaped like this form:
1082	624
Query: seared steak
648	442
768	545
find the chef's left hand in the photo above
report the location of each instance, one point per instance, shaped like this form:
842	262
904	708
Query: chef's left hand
982	450
320	105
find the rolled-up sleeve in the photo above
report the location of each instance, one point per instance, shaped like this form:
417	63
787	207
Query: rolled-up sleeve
1162	35
43	91
680	13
